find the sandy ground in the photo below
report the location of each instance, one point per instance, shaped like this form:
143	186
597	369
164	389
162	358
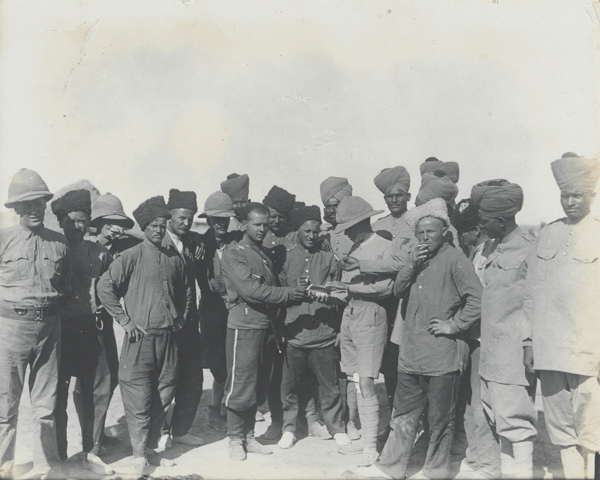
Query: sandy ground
311	458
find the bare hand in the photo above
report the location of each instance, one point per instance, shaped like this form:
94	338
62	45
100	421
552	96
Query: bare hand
337	285
438	327
297	293
326	245
337	340
350	263
200	251
178	324
134	332
528	359
303	282
419	254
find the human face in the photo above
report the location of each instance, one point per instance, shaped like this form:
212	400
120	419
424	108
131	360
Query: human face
257	225
430	232
330	210
276	220
471	237
308	234
31	212
240	202
219	225
396	200
495	227
75	226
156	229
181	221
576	204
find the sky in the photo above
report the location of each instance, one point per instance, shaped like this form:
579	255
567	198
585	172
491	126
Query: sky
145	95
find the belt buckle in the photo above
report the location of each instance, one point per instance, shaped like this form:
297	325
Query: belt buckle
38	313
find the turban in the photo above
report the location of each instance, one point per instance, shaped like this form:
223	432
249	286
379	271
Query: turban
301	215
433	186
497	198
149	210
236	186
435	208
576	173
353	210
432	164
280	200
335	187
72	201
393	176
179	199
244	211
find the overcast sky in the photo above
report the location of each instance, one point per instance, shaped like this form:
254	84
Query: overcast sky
142	96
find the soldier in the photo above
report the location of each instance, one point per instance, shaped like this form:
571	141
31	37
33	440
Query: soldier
156	301
33	275
237	187
563	280
364	323
188	392
212	310
279	202
88	346
507	389
253	296
333	191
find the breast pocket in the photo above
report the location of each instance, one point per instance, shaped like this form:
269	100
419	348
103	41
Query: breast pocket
510	271
15	267
586	266
545	255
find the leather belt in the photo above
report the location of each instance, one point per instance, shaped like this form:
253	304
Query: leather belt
37	313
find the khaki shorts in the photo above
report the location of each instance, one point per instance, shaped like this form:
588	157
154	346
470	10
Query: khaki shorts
511	409
571	408
363	338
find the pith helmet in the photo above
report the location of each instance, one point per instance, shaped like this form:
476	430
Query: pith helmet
109	207
26	185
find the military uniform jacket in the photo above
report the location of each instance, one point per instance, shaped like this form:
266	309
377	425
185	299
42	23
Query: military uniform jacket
340	243
564	283
503	309
253	293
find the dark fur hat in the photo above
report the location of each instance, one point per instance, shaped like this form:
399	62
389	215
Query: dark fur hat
72	201
299	216
179	199
149	210
280	200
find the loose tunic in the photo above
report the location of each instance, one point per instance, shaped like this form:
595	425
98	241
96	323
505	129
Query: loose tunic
564	283
445	287
502	309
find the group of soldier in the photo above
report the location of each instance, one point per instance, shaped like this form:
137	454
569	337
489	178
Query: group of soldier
463	313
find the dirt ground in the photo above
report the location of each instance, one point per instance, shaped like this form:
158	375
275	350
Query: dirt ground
310	458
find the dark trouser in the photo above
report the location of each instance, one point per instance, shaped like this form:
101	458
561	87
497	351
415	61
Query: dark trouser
274	364
213	325
389	368
413	393
37	344
323	363
147	376
90	355
188	391
483	451
247	376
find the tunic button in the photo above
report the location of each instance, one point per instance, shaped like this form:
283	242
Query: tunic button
570	233
564	253
568	244
420	286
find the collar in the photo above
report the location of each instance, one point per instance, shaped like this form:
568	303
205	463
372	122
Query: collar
515	233
27	232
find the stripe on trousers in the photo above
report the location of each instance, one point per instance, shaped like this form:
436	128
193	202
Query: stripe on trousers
232	368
